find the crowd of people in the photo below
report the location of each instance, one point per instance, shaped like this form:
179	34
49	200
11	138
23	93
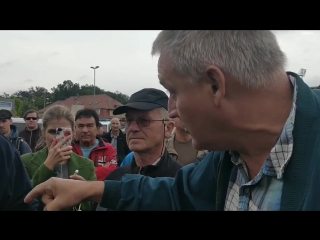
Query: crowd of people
95	155
237	133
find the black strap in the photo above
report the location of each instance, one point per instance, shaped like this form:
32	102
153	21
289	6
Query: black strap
17	142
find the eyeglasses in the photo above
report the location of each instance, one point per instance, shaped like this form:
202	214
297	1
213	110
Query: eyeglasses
142	122
33	118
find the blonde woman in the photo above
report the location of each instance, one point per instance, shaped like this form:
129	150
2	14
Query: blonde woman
56	160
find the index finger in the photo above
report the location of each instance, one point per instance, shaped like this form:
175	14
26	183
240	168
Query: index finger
63	141
35	192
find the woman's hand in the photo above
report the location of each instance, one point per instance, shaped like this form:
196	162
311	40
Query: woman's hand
77	177
58	154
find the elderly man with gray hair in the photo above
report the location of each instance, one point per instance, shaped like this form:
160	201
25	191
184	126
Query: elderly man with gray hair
262	122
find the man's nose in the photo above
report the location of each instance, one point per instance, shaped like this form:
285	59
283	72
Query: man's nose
173	113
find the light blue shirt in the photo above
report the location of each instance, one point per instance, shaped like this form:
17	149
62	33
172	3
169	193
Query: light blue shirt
127	160
86	151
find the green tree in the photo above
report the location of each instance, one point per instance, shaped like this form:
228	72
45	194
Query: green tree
39	97
18	106
64	90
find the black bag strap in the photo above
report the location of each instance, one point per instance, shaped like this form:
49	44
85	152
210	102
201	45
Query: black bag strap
17	142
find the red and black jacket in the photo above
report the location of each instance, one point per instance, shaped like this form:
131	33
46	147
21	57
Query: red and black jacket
104	157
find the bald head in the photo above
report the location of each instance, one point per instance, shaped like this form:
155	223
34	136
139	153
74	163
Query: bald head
115	124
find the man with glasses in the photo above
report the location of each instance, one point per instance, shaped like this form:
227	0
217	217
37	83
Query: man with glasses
147	128
32	132
11	132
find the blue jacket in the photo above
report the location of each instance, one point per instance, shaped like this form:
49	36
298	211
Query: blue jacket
203	186
14	135
14	181
127	160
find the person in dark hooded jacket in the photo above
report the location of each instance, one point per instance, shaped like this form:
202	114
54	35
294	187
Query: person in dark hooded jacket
14	181
11	132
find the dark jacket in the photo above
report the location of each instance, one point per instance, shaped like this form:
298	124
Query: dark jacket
166	167
31	137
14	181
25	148
122	146
203	186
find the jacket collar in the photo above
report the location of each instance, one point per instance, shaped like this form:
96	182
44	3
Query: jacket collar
134	166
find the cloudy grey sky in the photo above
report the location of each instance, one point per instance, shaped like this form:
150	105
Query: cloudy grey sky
46	58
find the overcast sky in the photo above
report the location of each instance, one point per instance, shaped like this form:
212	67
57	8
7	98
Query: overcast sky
47	58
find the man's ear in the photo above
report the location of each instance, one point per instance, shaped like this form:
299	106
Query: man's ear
169	129
216	79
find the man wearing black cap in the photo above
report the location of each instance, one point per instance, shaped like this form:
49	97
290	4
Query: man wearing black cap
147	129
11	132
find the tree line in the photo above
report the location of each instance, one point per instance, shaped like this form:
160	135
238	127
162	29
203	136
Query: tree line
39	97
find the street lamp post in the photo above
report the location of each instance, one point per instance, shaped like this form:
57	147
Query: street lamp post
94	86
44	98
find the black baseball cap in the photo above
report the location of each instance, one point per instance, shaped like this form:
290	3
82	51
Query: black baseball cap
5	114
145	100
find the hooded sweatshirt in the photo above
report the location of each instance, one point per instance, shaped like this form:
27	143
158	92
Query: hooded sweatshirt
14	135
31	137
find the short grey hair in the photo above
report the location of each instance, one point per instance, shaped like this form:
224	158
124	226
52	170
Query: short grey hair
253	57
164	114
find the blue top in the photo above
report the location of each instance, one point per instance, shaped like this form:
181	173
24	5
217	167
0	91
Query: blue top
203	186
14	181
128	159
86	151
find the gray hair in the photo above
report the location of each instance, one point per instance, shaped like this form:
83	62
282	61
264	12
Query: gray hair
164	113
253	57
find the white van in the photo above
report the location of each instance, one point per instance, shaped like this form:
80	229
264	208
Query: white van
20	123
106	125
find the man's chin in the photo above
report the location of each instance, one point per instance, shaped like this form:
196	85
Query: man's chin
136	147
85	139
197	145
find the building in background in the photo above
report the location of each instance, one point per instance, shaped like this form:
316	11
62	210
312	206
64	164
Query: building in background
104	104
7	103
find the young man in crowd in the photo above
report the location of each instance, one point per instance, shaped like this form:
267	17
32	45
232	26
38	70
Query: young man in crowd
11	132
32	132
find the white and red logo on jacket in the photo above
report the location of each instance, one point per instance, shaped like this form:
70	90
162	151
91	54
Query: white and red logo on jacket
102	162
